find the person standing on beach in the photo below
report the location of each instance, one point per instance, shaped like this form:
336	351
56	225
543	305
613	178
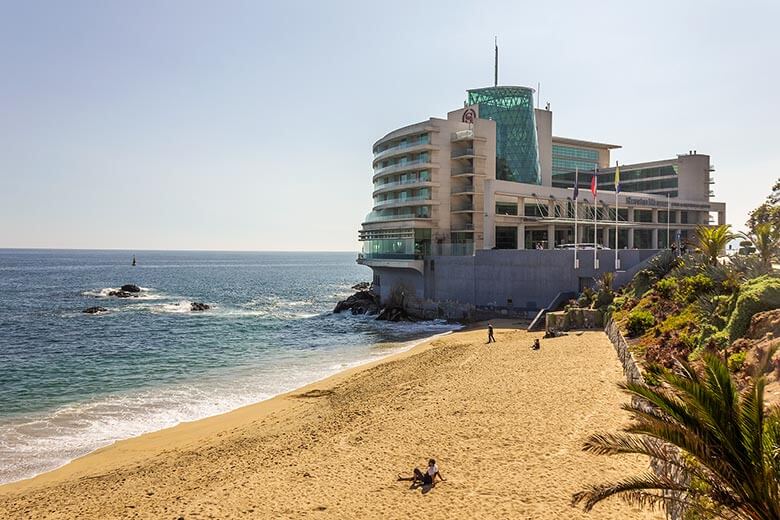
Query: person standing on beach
491	338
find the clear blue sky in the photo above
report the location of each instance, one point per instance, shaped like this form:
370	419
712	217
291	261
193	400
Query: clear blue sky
249	125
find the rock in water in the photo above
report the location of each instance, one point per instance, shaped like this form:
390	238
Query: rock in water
94	310
362	286
131	288
197	306
395	314
121	294
362	302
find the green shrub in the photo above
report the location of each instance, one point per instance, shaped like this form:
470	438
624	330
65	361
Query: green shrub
736	361
756	295
666	287
639	321
682	320
692	286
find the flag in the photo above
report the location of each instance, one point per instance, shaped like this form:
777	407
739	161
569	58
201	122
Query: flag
593	185
617	179
576	184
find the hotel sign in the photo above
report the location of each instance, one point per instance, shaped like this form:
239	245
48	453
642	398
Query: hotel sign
469	115
641	201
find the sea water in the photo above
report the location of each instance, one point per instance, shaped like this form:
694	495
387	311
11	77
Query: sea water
72	382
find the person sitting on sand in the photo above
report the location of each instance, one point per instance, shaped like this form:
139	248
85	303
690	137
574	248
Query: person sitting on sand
425	479
537	345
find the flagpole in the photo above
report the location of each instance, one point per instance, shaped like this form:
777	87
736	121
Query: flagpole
576	201
595	184
668	219
617	202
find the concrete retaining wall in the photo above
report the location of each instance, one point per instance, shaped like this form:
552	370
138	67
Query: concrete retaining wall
508	281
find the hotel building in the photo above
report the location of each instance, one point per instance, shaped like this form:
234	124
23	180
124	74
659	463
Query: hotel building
493	176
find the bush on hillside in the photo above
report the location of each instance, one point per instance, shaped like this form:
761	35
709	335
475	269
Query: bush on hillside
666	287
639	321
736	361
692	286
756	295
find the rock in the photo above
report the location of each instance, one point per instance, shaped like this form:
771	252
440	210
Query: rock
121	294
94	310
554	333
131	288
197	307
395	314
362	286
362	302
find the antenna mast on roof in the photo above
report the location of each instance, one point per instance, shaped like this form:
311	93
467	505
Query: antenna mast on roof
495	69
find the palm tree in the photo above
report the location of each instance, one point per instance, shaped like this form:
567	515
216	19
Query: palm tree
712	240
701	426
766	239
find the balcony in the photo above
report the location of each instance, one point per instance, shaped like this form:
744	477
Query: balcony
400	185
462	135
404	201
465	153
405	166
373	217
408	148
463	190
463	228
463	174
467	208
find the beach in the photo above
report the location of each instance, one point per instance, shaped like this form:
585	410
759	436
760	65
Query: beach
506	425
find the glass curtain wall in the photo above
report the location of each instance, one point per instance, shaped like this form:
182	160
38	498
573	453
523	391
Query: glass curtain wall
512	108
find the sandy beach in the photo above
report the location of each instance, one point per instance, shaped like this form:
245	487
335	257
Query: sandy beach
505	424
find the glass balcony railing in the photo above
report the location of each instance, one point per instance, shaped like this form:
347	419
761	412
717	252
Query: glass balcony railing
401	146
415	198
401	166
462	190
462	153
406	182
467	207
376	217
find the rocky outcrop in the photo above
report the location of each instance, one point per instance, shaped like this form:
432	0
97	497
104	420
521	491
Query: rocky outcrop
198	307
395	314
362	302
362	286
131	288
122	294
94	310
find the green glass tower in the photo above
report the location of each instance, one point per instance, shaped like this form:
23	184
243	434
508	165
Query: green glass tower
512	108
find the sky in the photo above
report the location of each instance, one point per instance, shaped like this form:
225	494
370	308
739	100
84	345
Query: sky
249	125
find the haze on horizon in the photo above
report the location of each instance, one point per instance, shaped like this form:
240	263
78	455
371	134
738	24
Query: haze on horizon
247	126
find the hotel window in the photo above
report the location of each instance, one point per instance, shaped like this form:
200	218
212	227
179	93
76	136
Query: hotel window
506	208
506	238
683	217
643	215
534	210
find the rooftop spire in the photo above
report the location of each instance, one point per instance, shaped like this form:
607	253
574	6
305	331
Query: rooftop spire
495	68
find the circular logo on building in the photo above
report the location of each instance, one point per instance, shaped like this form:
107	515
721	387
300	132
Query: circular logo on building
469	115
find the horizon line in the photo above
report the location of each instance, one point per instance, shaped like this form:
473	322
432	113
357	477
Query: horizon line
2	248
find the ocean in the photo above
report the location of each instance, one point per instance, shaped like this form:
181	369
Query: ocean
72	382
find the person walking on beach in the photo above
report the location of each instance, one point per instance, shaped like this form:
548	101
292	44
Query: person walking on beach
425	479
491	338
